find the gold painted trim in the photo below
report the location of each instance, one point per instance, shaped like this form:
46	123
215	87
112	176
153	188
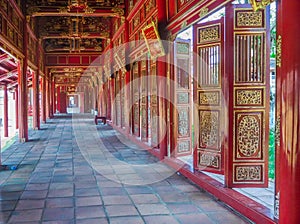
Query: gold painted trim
203	12
278	51
277	130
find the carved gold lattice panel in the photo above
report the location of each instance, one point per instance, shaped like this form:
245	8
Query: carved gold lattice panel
183	147
182	98
183	122
154	126
250	19
209	98
249	97
209	34
248	135
208	159
209	129
248	173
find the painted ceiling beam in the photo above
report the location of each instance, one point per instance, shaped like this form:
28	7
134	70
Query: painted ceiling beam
8	75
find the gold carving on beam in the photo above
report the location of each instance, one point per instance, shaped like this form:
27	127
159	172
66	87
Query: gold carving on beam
89	10
256	5
32	10
278	51
184	25
63	10
203	12
118	10
277	131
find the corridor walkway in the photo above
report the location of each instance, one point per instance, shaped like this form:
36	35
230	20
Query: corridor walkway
72	171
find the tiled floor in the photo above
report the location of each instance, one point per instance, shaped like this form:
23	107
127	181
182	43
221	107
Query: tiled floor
72	171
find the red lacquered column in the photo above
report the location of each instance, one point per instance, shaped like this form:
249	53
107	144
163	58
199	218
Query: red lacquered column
162	84
23	90
36	103
5	101
16	105
290	112
44	99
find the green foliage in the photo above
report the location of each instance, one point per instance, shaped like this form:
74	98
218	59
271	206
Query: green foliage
272	154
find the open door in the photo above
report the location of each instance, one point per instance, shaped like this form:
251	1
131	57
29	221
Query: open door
248	76
232	96
183	111
208	85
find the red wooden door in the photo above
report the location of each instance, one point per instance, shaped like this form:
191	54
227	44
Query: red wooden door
232	96
182	113
208	84
63	102
248	75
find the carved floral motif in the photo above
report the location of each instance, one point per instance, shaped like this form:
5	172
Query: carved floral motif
209	34
208	159
248	173
209	128
248	135
209	98
249	97
250	19
183	146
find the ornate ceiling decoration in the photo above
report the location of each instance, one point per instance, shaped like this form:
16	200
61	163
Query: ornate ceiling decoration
74	25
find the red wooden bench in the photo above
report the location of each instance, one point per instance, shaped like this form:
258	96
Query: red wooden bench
103	119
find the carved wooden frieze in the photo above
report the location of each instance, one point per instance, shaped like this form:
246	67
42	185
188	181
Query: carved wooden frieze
209	98
209	34
248	173
207	159
249	97
249	19
183	147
